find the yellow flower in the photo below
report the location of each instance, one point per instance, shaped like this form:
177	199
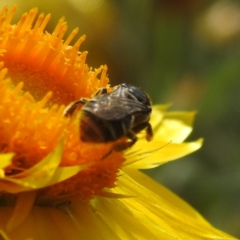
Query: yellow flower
52	185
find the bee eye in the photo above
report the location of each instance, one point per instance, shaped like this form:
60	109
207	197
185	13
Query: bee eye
139	95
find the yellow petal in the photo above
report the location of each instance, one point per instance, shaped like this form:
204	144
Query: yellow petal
162	212
154	214
175	126
156	153
5	159
3	235
23	207
160	190
158	112
44	173
42	223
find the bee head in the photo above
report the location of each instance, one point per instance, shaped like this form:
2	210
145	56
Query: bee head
136	93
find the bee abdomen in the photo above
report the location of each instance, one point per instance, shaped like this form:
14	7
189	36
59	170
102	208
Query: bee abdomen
94	129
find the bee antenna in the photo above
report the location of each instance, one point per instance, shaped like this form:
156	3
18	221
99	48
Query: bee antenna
165	145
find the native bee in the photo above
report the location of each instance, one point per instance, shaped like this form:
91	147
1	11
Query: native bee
107	117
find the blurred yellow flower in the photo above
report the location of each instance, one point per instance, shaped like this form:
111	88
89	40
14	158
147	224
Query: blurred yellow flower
52	185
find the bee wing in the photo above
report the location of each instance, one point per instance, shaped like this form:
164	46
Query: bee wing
114	108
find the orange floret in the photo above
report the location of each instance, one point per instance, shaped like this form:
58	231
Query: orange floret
45	73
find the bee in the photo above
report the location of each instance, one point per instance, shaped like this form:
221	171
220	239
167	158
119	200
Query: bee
107	117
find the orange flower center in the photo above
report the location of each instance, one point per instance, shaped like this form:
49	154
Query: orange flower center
46	74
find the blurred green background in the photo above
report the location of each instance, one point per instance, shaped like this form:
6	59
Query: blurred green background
181	51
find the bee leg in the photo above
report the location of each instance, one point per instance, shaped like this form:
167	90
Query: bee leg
69	110
101	91
149	132
148	128
123	146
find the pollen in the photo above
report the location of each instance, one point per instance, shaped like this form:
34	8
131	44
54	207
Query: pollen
40	73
